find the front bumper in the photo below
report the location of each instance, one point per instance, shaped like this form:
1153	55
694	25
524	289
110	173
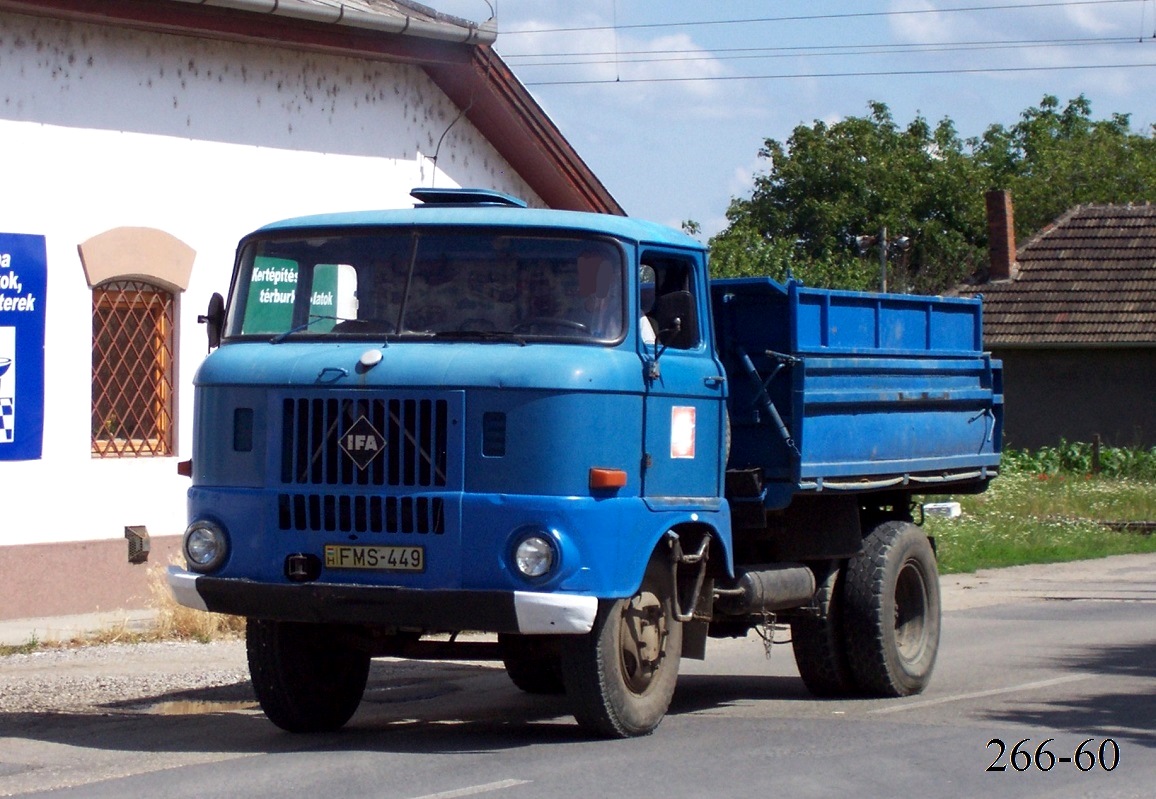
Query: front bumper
525	612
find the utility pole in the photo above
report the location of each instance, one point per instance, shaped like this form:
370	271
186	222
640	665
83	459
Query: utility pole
886	249
883	260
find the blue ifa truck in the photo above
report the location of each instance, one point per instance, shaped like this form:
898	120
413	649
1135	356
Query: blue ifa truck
553	428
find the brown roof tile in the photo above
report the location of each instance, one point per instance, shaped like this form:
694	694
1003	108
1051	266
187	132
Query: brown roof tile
1090	278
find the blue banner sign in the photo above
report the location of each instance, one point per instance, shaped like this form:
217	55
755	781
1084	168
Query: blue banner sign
23	285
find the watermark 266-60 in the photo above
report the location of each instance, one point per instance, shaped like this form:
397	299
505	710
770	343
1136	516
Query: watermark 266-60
1091	754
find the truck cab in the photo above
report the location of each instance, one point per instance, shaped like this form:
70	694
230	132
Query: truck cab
465	416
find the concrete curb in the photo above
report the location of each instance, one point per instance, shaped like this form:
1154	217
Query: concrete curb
60	629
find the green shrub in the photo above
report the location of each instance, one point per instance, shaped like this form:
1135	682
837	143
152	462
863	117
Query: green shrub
1079	458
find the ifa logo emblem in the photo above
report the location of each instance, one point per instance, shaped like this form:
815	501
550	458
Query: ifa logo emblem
362	443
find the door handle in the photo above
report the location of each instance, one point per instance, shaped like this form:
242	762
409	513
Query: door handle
714	380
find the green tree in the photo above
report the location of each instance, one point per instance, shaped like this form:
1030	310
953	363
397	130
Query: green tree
1054	159
748	252
829	183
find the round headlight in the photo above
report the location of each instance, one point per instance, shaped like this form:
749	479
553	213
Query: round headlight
205	546
534	557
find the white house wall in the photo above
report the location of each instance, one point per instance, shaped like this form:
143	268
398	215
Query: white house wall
103	128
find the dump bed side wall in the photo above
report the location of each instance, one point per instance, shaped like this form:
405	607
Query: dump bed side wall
835	390
823	322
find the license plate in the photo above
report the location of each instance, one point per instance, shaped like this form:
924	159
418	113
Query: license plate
374	558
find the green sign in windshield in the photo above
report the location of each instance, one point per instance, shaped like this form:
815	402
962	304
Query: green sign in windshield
273	290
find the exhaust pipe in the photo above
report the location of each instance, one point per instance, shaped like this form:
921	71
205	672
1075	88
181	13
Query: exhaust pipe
766	588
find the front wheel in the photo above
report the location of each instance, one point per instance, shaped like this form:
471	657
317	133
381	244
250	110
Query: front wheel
891	610
620	677
306	679
532	662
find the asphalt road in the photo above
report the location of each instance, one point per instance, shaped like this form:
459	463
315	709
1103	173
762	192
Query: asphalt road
1066	653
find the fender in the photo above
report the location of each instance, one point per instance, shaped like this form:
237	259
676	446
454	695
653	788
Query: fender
716	522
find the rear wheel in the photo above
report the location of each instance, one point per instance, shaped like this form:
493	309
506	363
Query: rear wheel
533	663
819	641
620	677
306	679
891	611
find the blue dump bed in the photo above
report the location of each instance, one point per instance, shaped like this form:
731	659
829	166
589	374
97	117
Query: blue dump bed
849	391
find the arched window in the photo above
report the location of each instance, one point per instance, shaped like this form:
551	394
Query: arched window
136	275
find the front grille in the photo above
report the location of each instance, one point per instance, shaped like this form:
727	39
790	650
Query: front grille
360	514
364	442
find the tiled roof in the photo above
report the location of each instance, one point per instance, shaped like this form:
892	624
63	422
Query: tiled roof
1090	278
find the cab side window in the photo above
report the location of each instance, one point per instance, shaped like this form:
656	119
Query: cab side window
667	302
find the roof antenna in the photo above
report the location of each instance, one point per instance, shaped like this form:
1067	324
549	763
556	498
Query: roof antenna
461	112
442	138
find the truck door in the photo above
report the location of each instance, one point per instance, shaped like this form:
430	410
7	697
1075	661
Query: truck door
685	388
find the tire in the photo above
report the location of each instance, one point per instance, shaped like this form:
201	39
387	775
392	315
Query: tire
305	679
533	663
891	611
620	677
820	644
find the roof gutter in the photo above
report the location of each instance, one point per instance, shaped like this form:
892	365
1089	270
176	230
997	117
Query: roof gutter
341	14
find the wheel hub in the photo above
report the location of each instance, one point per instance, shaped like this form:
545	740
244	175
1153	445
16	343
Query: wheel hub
910	613
643	640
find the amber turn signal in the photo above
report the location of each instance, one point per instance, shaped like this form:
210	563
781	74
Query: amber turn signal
607	478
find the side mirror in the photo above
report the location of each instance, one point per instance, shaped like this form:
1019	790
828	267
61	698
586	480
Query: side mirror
215	320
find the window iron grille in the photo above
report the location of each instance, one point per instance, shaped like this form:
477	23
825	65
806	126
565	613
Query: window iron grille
133	370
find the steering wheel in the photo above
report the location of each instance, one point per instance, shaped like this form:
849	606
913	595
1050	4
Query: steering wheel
545	321
364	326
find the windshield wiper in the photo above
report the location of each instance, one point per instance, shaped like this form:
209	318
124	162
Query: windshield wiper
365	326
304	325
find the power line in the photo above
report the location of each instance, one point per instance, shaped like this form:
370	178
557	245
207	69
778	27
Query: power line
812	17
866	74
738	54
799	49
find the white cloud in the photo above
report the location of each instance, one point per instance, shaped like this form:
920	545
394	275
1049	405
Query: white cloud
650	69
742	180
1088	19
674	58
921	28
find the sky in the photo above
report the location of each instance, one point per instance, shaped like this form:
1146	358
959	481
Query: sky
670	101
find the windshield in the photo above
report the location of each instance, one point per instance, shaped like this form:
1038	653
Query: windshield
430	285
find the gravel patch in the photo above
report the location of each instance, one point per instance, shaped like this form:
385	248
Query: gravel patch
122	677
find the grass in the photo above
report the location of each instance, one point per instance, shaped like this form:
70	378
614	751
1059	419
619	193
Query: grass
29	646
176	622
1047	507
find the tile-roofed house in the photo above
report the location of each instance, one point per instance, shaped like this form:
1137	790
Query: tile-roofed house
1073	316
